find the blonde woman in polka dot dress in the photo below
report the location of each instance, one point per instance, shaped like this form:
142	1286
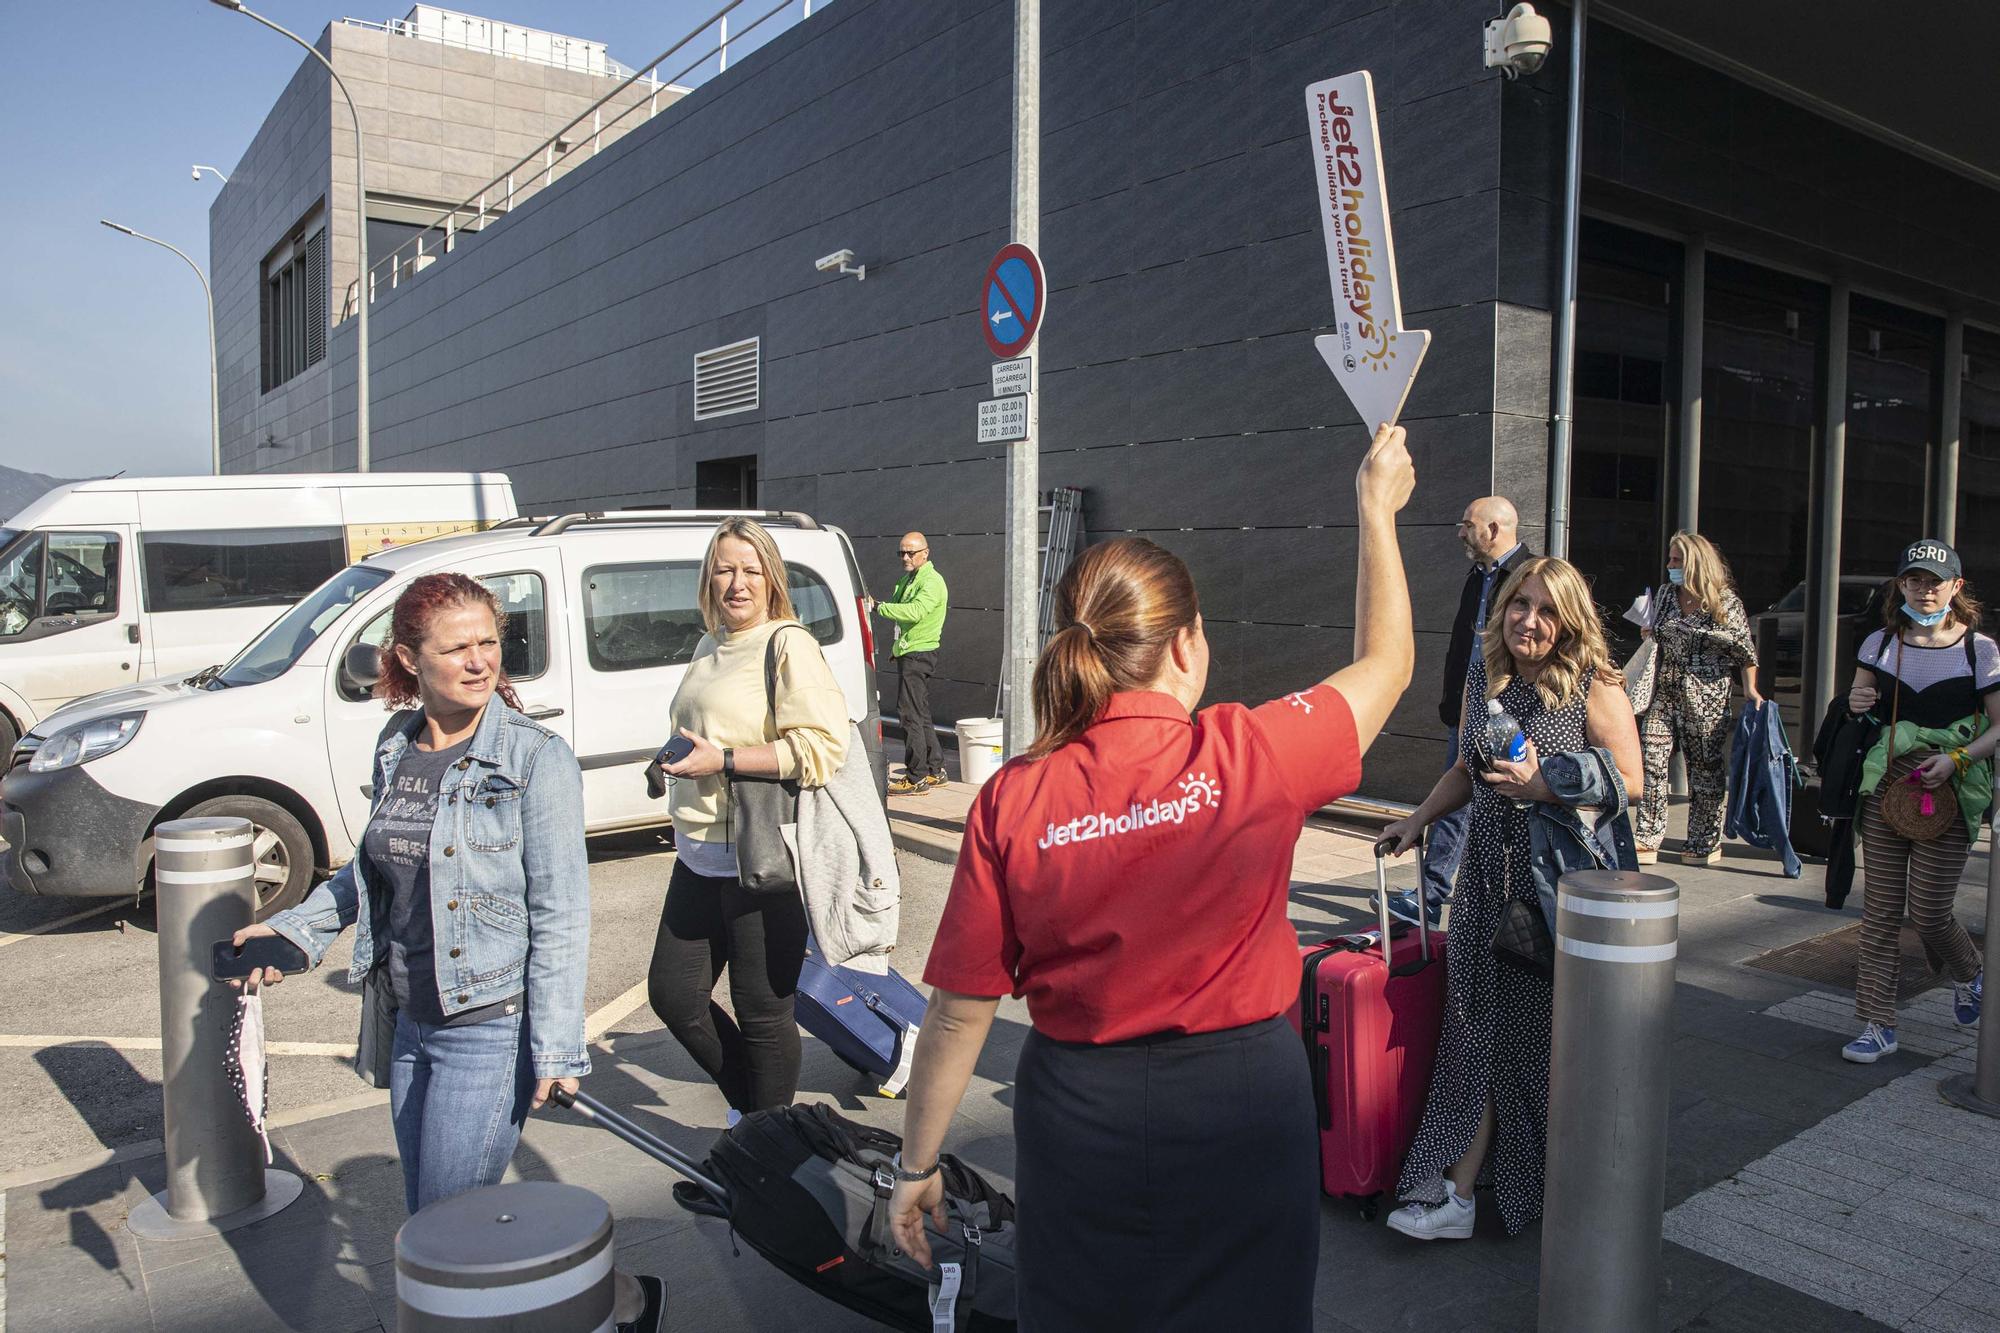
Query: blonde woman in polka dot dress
1485	1121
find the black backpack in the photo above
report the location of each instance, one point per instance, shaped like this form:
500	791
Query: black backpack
809	1189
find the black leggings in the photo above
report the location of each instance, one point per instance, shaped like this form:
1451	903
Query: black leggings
706	924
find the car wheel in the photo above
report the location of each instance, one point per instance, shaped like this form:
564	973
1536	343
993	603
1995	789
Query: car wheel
282	851
9	737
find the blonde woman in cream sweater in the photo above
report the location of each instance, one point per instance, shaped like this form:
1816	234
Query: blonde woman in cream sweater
710	923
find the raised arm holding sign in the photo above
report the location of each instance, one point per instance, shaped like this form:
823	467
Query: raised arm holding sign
1370	352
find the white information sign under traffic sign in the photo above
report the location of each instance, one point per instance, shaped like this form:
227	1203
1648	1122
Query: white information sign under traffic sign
1004	420
1370	352
1011	376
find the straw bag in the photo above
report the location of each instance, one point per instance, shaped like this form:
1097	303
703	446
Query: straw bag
1913	810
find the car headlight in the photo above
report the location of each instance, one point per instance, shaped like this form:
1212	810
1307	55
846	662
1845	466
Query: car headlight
85	742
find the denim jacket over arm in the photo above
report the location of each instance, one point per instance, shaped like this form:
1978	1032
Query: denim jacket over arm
510	885
1589	830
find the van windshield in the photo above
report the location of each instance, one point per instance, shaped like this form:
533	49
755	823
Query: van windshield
271	654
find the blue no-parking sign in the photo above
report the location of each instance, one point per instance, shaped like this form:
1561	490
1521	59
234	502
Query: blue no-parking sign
1015	295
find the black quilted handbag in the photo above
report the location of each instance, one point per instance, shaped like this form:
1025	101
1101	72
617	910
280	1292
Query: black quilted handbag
1523	939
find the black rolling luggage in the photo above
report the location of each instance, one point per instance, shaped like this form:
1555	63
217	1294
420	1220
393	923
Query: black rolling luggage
809	1190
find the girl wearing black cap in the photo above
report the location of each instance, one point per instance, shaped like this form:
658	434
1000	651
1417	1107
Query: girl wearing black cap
1940	679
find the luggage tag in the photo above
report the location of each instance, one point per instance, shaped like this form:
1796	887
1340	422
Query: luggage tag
944	1298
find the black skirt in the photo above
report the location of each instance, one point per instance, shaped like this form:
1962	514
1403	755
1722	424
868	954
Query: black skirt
1171	1182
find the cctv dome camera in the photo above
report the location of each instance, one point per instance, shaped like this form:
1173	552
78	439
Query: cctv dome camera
1518	43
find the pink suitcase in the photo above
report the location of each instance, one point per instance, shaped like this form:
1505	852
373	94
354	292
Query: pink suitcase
1369	1013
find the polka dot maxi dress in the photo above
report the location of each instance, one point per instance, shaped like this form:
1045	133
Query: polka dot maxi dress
1497	1016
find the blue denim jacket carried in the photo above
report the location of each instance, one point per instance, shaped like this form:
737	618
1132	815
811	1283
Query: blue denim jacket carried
510	885
1762	776
1562	839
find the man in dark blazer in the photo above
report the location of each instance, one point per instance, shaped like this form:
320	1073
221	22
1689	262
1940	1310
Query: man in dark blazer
1489	531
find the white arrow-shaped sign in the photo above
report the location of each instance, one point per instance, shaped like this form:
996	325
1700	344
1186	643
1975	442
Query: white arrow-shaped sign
1370	352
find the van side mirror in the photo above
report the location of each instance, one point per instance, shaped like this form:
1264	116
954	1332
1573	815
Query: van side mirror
362	666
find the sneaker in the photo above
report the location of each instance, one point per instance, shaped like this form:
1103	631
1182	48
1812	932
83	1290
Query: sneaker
1874	1042
905	786
1403	907
1450	1220
936	780
1967	1000
654	1316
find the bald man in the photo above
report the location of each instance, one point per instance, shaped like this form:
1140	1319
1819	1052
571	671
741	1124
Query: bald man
1489	530
917	609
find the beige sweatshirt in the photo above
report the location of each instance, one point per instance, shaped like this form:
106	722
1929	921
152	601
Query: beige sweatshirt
722	700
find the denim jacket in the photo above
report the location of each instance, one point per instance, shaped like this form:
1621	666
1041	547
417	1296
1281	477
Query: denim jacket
1560	837
510	887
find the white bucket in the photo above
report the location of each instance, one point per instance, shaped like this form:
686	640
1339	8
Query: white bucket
979	742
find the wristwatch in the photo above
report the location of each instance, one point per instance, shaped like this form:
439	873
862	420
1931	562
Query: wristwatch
729	763
896	1166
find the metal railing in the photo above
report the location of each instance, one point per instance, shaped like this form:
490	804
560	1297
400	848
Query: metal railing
571	53
561	152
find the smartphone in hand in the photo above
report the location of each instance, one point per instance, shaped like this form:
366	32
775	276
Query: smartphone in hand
227	962
675	750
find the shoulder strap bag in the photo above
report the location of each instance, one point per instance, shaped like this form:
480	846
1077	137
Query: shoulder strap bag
761	808
1913	810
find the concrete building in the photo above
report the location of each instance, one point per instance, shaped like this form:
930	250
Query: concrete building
1787	310
450	104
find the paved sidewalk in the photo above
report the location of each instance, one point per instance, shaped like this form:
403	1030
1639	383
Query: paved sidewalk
1787	1168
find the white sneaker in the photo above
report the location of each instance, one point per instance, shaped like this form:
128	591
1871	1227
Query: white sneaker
1450	1220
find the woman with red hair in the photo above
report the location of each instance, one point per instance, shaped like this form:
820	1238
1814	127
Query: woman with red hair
476	933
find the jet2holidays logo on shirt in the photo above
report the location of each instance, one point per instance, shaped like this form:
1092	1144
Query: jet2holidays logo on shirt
1198	792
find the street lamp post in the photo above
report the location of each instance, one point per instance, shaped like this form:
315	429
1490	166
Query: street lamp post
208	301
360	232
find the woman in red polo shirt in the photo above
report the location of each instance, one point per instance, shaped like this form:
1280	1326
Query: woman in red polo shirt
1128	876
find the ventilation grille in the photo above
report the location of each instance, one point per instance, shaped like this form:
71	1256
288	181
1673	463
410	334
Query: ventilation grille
726	379
316	295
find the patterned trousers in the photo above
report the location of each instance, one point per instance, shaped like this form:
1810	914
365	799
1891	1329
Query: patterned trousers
1697	724
1917	879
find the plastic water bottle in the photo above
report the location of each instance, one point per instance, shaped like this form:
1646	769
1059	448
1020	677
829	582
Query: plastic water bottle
1504	739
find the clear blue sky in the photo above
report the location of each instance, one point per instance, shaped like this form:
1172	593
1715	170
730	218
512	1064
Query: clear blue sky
103	340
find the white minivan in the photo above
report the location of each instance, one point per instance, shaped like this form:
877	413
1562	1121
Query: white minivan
602	620
106	583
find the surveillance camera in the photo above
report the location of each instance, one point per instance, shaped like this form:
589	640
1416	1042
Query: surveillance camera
194	172
842	261
1518	43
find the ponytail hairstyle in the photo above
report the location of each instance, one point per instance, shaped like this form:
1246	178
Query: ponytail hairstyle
1117	610
410	623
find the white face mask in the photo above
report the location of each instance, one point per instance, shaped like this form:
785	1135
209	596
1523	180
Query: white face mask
246	1062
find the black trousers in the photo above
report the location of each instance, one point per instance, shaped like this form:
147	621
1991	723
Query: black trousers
923	755
1168	1183
705	926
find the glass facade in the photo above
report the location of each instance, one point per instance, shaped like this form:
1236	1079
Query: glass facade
1979	466
1891	370
1627	340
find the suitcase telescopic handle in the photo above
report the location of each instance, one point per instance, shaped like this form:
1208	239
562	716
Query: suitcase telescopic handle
645	1141
1382	910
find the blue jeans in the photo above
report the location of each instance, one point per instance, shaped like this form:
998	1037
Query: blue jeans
1444	841
458	1097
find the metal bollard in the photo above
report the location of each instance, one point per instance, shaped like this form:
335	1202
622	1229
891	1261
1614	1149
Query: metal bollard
1980	1090
533	1257
216	1177
1604	1188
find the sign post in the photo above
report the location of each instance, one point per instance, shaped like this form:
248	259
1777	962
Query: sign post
1370	352
1023	458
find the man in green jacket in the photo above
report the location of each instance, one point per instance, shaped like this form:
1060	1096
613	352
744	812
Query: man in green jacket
916	608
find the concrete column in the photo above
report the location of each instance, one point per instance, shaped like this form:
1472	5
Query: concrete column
1944	464
1694	286
1822	636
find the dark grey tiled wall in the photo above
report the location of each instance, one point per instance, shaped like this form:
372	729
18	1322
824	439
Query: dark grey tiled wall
1180	386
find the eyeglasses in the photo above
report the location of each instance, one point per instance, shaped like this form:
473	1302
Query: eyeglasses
919	551
1921	582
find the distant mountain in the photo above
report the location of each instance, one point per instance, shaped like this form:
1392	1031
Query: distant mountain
20	489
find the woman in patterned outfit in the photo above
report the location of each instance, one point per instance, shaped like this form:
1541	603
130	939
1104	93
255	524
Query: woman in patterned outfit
1702	638
1544	658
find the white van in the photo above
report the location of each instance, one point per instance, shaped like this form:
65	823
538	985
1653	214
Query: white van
106	583
602	620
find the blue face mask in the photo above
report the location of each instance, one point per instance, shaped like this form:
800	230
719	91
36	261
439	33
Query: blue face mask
1677	576
1926	620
